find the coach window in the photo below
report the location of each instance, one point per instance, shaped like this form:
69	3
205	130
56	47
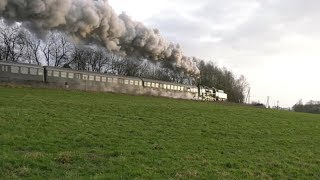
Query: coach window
49	73
182	88
40	72
91	78
33	71
194	90
104	79
110	80
98	78
70	75
153	85
157	85
56	73
78	76
131	82
126	81
161	86
136	83
5	68
63	74
85	77
14	69
24	70
121	81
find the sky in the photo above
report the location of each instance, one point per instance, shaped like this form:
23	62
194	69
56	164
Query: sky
274	44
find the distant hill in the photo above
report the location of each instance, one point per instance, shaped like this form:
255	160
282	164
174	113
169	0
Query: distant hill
51	134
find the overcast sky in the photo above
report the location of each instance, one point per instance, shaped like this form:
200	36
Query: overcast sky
275	44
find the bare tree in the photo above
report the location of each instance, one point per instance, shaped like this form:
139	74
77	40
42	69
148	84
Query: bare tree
57	49
13	43
98	59
2	52
79	58
46	49
32	49
61	49
132	66
116	64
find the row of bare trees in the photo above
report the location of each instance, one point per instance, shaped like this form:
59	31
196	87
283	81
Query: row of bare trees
309	107
17	44
20	45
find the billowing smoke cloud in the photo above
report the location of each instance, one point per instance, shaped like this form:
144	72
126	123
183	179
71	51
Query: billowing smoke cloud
96	20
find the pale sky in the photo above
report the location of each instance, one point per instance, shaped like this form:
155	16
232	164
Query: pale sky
275	44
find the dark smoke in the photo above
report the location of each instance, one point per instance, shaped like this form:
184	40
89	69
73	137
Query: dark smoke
96	20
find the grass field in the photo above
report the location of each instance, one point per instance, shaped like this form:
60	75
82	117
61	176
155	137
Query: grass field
52	134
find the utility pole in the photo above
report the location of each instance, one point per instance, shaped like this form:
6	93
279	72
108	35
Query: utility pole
268	102
248	100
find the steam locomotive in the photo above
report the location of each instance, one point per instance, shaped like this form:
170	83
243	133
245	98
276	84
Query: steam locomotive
54	77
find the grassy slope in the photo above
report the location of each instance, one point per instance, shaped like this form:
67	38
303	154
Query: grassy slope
51	133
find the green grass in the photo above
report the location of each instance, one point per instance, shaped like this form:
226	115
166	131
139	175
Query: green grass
52	134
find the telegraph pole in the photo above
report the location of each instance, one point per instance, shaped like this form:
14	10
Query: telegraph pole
249	96
268	102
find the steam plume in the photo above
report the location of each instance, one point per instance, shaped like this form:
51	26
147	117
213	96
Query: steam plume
96	20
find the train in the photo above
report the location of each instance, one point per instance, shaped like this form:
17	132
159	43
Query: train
55	77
